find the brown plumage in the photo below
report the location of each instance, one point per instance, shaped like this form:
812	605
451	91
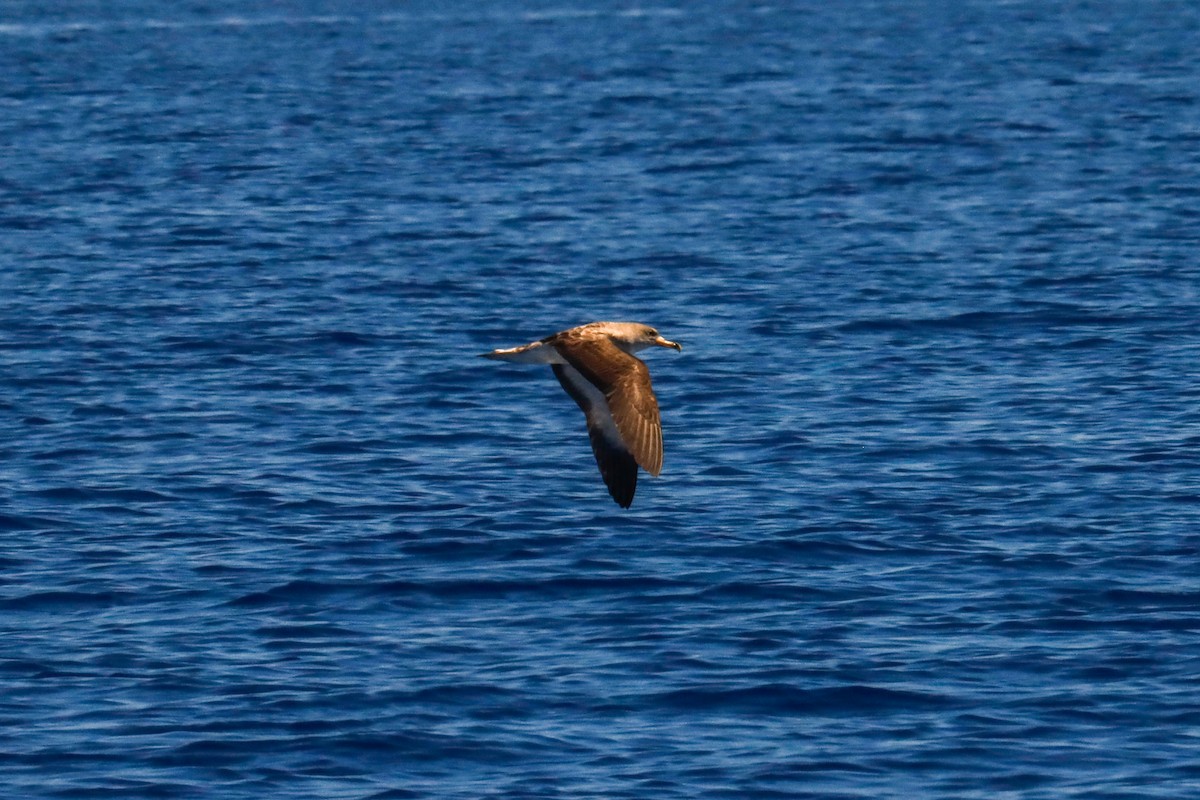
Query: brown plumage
596	366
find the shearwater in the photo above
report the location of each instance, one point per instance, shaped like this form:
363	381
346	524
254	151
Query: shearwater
595	364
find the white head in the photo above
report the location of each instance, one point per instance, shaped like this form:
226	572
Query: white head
634	336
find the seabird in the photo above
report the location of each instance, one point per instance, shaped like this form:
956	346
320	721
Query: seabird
596	366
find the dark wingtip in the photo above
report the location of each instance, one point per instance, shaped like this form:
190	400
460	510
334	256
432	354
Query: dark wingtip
619	471
622	491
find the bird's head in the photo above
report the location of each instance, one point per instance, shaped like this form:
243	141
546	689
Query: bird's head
634	336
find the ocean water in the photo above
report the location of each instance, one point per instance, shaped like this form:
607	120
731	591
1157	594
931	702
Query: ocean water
929	520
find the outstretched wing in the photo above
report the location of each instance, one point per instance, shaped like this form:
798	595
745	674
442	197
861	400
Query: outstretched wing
624	381
617	465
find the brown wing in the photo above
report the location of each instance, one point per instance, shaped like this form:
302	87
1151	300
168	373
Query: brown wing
617	466
625	382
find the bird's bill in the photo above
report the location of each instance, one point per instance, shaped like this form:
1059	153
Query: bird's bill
661	342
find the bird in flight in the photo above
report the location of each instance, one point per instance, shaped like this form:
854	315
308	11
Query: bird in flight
595	364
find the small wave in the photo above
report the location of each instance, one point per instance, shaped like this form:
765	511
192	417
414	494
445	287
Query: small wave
344	338
292	592
759	590
339	447
1149	598
985	321
73	494
316	631
28	522
565	584
779	698
725	165
65	600
99	410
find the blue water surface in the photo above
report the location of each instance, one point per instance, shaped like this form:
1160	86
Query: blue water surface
929	520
